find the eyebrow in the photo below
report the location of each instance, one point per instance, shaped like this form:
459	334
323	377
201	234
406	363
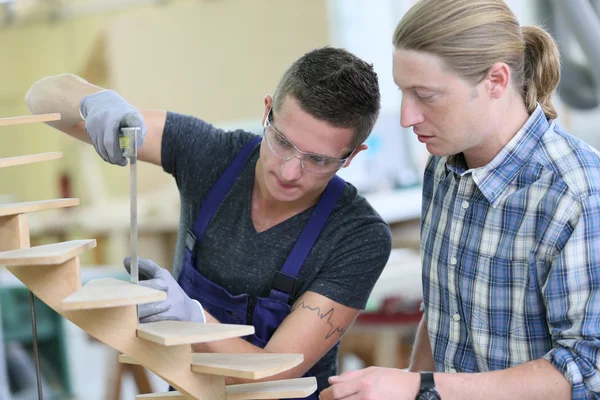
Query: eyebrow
421	87
270	120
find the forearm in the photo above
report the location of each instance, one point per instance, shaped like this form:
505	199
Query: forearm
537	379
61	94
422	358
239	345
234	345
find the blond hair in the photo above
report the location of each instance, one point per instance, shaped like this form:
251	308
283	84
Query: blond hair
472	35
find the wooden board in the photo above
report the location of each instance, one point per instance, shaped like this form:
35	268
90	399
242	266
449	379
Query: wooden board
29	159
286	389
110	292
238	365
171	333
28	119
14	232
49	254
248	366
32	206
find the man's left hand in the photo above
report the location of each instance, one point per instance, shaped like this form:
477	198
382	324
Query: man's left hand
373	383
178	306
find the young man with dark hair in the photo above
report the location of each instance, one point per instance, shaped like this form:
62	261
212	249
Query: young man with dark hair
269	235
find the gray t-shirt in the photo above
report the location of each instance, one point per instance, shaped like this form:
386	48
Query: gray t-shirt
343	265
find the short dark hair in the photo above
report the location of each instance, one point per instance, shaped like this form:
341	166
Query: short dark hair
335	86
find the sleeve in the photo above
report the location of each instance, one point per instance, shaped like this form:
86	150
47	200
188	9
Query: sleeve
355	265
572	294
193	149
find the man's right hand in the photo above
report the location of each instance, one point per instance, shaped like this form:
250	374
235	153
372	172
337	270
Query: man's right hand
105	113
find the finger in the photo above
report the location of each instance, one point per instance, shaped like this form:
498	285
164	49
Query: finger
152	309
158	317
111	144
131	120
346	376
154	284
149	267
152	318
96	140
344	391
146	268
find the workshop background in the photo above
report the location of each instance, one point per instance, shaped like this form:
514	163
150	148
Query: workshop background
215	59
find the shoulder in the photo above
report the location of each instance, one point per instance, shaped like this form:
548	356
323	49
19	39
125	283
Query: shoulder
355	218
190	130
574	164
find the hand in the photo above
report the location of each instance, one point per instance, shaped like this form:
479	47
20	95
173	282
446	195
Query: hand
373	383
105	113
178	306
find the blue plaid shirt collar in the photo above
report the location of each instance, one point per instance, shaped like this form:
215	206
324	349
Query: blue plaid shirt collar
493	179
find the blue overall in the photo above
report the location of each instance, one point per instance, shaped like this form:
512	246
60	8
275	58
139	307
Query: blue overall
227	308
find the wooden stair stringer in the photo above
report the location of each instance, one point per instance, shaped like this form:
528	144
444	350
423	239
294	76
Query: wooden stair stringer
251	366
117	327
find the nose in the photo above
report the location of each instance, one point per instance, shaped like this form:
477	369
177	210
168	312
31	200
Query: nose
291	169
410	114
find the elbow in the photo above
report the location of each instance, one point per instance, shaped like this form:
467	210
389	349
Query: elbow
579	369
39	97
34	98
31	99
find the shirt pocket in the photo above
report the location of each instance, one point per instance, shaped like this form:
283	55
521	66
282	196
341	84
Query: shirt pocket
493	294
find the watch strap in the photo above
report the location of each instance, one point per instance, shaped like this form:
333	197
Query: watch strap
427	381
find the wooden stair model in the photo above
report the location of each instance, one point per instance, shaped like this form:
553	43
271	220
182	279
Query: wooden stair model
106	309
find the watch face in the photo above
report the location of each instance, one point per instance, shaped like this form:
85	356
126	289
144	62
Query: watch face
429	395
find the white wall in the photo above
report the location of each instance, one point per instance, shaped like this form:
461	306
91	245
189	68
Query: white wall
395	156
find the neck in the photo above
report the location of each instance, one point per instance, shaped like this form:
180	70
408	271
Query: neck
508	121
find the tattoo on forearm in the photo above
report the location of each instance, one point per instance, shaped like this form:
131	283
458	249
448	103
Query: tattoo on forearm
328	315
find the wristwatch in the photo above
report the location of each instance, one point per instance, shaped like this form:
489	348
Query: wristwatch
427	391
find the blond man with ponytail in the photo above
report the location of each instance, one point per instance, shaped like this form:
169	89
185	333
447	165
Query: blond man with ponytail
510	227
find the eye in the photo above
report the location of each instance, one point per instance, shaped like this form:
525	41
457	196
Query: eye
320	161
424	97
281	141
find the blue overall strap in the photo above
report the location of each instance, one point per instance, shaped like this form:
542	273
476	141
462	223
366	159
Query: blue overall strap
286	277
218	193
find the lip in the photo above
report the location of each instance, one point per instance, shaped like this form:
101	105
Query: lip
284	185
424	139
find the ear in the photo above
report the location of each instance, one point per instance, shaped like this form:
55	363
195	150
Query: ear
268	104
498	78
355	152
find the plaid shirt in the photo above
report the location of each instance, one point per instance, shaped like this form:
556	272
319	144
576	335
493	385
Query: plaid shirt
511	257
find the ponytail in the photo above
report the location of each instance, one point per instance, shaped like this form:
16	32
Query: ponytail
541	70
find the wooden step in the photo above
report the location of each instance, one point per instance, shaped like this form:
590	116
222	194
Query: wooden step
32	206
49	254
29	159
110	292
247	366
28	119
171	333
286	389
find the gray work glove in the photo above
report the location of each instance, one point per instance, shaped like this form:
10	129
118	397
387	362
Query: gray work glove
105	113
178	306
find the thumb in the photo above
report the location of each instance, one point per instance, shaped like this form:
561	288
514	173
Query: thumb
346	376
147	269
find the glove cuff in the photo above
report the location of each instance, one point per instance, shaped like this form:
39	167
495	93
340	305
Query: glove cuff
202	315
